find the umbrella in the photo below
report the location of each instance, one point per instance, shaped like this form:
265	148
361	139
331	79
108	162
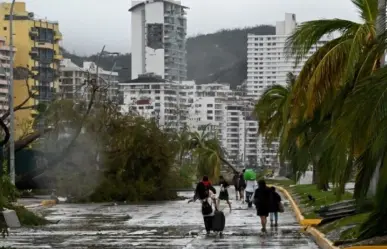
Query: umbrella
249	175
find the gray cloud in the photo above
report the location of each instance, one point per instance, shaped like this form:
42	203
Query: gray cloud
89	24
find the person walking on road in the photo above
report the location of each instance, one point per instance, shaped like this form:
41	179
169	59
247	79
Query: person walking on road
241	186
275	202
223	194
251	186
235	182
206	193
262	202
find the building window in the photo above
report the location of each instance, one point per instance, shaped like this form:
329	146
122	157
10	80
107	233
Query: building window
46	35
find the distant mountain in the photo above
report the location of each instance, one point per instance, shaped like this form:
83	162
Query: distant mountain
217	57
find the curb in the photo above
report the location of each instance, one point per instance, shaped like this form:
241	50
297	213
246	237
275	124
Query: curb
319	237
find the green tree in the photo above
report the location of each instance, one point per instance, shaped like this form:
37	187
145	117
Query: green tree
338	85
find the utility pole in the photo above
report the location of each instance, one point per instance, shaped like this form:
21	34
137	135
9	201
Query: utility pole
245	144
10	101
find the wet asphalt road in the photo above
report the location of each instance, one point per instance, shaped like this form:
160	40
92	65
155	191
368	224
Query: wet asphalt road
169	225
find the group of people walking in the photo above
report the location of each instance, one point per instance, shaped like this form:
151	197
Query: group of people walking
266	200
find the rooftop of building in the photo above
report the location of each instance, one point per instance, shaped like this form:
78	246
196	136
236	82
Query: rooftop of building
146	78
88	66
20	10
137	4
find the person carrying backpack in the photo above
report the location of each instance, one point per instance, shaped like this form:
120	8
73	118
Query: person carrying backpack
206	193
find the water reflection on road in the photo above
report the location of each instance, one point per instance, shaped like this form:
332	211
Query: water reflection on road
163	225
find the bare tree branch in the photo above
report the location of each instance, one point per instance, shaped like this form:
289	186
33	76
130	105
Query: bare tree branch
7	135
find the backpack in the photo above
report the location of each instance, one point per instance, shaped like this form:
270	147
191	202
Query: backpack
201	191
206	208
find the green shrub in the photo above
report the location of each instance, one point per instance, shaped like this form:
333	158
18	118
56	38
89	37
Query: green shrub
28	218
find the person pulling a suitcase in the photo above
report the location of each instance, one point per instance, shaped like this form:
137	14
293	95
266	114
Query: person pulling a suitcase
213	219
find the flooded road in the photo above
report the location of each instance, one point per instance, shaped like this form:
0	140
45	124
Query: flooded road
174	224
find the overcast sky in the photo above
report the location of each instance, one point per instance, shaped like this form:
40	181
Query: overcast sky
89	24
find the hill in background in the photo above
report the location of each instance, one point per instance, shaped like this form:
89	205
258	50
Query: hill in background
217	57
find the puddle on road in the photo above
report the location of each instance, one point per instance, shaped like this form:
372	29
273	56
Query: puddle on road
167	225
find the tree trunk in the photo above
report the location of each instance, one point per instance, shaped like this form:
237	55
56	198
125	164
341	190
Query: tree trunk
229	165
315	175
321	184
374	180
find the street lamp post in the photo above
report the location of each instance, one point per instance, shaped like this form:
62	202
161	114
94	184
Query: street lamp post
11	98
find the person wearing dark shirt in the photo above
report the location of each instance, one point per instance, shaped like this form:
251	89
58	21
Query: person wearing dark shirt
242	186
275	201
235	181
262	202
206	193
223	194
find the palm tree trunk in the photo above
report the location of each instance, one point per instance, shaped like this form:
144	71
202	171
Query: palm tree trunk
381	23
381	27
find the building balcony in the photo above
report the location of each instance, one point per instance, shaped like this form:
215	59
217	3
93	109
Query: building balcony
34	52
58	36
58	57
45	60
34	33
46	45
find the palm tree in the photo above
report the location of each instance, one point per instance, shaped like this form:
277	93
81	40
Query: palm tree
341	62
273	109
209	153
343	85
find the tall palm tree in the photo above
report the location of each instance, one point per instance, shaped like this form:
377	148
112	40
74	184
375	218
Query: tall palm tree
273	109
209	153
341	62
343	83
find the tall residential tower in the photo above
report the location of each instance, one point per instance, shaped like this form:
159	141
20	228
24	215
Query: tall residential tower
267	65
159	29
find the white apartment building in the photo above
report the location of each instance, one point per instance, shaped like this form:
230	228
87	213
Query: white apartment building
208	108
214	107
267	65
153	97
159	29
73	79
4	73
240	132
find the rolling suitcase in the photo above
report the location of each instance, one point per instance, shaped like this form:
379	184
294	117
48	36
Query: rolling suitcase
218	221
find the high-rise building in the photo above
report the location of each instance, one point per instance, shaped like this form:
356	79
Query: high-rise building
153	97
159	29
4	74
267	65
37	45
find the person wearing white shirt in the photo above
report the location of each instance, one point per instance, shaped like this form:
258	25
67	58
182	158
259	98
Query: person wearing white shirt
251	186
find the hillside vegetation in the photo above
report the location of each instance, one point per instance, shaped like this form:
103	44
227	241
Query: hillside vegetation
216	57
